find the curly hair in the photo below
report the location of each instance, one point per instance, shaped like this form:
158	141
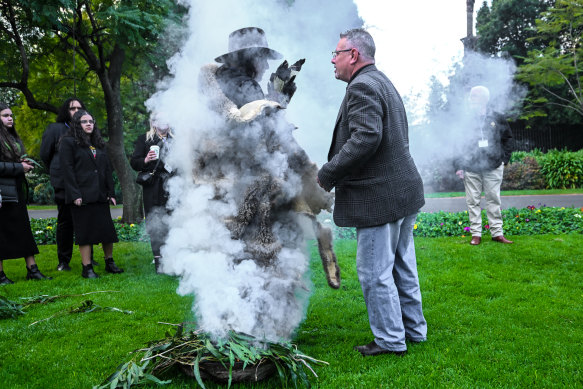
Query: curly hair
11	147
81	137
64	115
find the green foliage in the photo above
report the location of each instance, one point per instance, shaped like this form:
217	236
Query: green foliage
39	184
507	25
555	63
526	221
563	169
523	174
518	156
10	309
45	231
194	349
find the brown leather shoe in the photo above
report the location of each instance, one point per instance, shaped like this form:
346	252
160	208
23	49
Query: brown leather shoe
372	349
501	239
476	240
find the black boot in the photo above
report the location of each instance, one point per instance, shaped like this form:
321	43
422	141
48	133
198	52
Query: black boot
33	273
88	272
5	280
63	266
111	267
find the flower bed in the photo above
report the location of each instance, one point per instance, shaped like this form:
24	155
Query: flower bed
525	221
45	231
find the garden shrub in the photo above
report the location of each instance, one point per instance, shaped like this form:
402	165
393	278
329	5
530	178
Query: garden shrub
523	174
40	189
562	169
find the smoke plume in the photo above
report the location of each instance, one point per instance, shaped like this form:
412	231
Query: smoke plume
444	135
216	164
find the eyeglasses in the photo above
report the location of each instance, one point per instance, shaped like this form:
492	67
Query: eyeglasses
335	53
74	108
87	122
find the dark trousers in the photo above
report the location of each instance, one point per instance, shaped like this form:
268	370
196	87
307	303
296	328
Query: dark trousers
157	227
65	231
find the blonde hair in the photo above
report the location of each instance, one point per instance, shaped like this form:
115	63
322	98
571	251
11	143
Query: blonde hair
153	130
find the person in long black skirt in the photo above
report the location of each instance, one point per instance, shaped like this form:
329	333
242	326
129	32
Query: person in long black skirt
89	187
155	192
49	153
16	239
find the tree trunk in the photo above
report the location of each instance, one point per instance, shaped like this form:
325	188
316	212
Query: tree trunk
132	194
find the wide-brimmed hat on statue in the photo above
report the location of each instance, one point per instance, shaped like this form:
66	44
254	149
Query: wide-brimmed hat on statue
248	41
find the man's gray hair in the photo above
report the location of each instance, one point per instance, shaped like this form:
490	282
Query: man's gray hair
362	41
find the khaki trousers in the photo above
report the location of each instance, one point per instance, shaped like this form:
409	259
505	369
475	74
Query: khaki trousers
489	182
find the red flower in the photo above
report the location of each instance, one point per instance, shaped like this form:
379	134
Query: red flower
487	226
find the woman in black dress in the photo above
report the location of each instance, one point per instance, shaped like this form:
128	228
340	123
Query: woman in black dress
16	239
89	187
155	193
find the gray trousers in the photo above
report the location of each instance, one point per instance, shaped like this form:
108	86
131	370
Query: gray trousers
387	271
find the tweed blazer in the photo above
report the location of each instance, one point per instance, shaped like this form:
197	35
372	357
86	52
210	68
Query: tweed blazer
369	162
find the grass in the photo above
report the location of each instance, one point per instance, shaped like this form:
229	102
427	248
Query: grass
536	192
498	316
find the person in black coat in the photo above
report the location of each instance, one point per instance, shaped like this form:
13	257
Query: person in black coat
49	153
89	189
155	193
16	239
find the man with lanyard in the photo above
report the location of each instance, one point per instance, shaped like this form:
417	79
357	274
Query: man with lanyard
482	165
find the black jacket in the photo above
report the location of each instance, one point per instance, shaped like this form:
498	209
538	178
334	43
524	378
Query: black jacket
13	185
494	130
49	152
85	176
154	194
11	175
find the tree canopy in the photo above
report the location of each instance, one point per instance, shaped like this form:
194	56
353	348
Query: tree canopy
105	52
555	68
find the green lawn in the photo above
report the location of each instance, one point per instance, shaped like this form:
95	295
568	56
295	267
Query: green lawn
498	316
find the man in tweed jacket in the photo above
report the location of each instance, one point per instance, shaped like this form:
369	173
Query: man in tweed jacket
379	191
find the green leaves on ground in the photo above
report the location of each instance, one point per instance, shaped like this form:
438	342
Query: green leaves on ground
194	350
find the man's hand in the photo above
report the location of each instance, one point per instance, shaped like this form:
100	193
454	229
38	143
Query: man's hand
460	174
78	201
112	200
321	186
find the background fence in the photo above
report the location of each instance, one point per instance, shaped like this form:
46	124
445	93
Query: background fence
570	138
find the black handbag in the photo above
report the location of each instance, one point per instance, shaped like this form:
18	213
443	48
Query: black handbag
147	178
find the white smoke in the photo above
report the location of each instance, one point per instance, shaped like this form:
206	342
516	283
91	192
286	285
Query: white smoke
444	136
232	292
